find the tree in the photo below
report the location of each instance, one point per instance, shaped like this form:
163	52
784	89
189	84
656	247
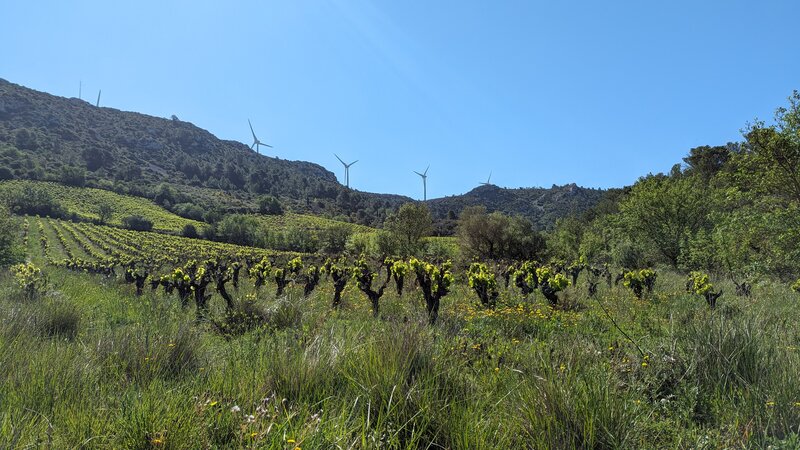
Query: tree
496	235
771	159
665	211
269	205
409	225
104	212
73	176
189	231
706	161
334	238
240	229
565	240
34	200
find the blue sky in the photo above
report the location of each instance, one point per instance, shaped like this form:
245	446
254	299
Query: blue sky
538	93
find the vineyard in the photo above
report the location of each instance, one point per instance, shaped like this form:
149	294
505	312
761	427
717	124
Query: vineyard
218	345
84	204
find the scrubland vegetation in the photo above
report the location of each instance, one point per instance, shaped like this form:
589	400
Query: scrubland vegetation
663	317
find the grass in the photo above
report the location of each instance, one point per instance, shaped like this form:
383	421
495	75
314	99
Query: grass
90	365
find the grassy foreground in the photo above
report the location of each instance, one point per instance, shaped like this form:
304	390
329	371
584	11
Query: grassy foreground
89	365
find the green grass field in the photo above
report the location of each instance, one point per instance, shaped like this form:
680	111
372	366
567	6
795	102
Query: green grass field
90	365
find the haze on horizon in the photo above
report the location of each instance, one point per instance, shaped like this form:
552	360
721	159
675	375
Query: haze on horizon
537	93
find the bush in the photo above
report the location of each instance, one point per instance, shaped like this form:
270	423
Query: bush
269	205
189	231
33	200
333	239
240	229
73	176
189	211
495	236
137	223
30	279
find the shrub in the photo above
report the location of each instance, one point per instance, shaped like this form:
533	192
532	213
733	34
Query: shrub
189	231
240	229
30	279
333	239
34	200
269	205
137	223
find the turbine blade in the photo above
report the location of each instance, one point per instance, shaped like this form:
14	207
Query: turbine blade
340	159
353	163
426	170
423	176
251	130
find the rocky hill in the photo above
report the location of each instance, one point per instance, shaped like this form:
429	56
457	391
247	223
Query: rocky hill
46	137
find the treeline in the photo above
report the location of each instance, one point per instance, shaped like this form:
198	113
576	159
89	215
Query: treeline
733	209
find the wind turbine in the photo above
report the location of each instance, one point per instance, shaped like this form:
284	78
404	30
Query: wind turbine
424	176
346	169
80	88
256	143
489	181
98	98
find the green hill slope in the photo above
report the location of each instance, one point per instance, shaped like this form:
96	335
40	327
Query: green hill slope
84	203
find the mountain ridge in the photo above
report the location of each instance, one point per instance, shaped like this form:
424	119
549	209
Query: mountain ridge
47	137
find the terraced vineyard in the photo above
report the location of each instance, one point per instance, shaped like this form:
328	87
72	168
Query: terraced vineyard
63	243
84	202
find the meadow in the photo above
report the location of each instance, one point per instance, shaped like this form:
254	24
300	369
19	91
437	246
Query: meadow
86	363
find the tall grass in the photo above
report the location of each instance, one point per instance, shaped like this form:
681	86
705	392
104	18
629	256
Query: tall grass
90	365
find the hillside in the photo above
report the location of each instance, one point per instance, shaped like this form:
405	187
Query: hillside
51	138
541	205
47	137
83	204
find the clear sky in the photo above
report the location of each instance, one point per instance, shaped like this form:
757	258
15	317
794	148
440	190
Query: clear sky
538	93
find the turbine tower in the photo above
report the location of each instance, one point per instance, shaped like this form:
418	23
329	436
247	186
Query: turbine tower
80	88
98	98
346	169
424	176
256	143
489	181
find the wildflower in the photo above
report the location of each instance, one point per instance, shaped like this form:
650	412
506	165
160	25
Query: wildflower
157	441
171	344
213	404
644	364
235	409
797	404
497	369
290	441
562	367
769	404
253	434
249	418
